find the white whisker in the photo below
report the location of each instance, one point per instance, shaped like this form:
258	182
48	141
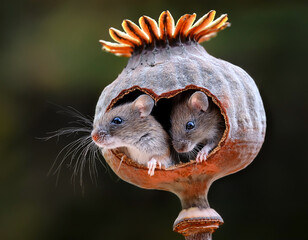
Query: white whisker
79	152
122	158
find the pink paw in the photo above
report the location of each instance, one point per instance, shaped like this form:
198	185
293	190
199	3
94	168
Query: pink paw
202	156
152	166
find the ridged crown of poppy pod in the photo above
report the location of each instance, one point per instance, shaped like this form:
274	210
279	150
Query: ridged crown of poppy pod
167	59
153	35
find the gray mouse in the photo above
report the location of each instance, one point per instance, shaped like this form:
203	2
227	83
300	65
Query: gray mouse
196	122
130	126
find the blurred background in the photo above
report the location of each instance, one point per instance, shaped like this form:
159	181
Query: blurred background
50	57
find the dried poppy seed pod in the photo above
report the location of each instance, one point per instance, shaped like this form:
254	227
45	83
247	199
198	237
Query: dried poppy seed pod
165	60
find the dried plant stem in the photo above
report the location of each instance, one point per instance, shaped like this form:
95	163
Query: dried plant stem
200	236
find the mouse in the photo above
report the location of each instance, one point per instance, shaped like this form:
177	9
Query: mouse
196	125
132	127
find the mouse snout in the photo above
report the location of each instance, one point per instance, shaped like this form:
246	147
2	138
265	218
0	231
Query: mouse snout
180	146
98	135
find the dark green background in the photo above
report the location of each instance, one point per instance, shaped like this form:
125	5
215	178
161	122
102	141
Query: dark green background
50	55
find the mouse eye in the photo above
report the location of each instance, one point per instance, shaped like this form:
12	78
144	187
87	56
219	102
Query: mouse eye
117	120
190	125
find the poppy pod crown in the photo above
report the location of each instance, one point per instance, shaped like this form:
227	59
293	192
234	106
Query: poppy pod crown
152	35
166	60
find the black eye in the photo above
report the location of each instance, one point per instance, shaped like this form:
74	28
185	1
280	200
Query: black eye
117	120
190	125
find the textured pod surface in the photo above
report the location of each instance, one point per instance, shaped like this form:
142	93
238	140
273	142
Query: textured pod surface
163	73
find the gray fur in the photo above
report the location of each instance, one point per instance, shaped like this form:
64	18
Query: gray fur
139	134
209	125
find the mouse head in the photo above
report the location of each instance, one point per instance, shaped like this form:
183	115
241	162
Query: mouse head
188	123
123	124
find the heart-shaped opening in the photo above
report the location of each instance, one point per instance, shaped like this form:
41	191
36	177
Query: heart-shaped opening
161	112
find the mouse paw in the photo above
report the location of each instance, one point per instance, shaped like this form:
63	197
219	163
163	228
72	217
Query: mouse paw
152	166
201	157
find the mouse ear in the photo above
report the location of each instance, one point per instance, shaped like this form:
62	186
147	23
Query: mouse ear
198	101
144	104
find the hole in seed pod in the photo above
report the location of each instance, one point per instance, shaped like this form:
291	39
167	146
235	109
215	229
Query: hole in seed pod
191	119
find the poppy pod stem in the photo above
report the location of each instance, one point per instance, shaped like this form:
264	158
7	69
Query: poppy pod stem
200	236
197	223
197	220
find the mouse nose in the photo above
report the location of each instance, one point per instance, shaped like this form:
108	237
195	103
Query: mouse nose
180	149
179	146
97	135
